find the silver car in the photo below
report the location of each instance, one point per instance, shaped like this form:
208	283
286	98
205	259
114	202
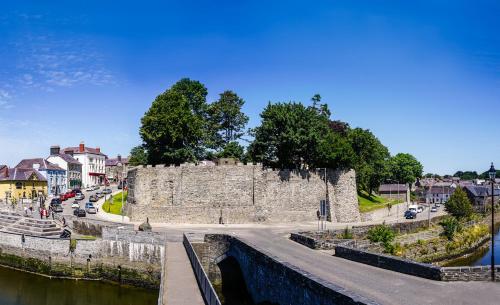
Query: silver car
90	208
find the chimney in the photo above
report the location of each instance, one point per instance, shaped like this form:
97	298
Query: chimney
119	158
55	150
98	149
82	147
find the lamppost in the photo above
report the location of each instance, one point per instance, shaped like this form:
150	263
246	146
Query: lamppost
492	172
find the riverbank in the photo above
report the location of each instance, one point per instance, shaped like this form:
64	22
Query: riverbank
121	256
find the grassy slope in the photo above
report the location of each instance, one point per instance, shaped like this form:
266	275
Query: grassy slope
369	203
116	206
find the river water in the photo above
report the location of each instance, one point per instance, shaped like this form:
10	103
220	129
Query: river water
21	288
482	257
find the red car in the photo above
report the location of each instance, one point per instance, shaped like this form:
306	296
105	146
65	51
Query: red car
70	194
63	197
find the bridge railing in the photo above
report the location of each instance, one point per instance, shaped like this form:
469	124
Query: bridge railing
206	287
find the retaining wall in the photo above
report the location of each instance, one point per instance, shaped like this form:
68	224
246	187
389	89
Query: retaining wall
121	260
478	273
448	274
389	262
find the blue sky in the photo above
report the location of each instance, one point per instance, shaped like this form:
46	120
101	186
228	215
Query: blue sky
424	76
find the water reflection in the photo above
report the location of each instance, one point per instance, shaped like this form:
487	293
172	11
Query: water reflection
20	288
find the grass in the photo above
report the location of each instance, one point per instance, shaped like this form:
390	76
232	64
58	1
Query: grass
115	207
369	203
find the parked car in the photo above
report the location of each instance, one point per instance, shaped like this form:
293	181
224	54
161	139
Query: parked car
55	201
79	196
75	205
89	189
79	212
107	191
90	208
96	187
93	198
434	209
410	214
99	194
57	208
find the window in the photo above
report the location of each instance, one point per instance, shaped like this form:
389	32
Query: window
19	185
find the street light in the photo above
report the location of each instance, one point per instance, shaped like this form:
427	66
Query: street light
492	172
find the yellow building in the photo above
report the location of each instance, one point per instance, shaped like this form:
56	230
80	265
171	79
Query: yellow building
21	183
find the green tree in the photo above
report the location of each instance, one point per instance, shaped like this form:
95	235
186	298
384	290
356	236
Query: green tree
173	129
232	150
459	204
370	159
226	119
405	168
138	156
289	135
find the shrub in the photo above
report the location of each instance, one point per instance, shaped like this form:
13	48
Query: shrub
450	226
381	233
347	234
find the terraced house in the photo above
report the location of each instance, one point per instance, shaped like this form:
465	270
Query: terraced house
54	175
71	165
21	183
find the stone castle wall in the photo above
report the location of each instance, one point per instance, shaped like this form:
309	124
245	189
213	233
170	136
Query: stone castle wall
238	194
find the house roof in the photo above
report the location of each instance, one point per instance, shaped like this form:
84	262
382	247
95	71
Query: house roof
392	187
441	190
67	158
115	161
88	150
21	174
481	191
43	164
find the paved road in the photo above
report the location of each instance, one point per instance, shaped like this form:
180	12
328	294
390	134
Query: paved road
382	286
67	210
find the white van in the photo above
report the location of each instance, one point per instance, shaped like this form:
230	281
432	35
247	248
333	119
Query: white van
413	208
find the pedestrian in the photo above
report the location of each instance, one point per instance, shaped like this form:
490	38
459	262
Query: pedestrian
25	211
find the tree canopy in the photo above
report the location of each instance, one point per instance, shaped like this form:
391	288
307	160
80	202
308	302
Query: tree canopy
226	119
181	126
459	204
138	156
405	168
289	135
371	159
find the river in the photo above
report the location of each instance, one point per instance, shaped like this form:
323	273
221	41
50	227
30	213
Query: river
482	257
21	288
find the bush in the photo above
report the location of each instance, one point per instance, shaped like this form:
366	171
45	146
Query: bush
459	204
347	234
450	226
381	233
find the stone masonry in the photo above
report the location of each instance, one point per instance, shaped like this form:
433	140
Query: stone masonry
238	194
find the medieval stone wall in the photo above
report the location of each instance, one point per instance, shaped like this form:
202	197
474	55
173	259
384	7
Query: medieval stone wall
238	194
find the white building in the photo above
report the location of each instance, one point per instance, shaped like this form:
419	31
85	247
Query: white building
71	165
93	163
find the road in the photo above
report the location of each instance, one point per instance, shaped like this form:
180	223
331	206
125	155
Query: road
380	285
67	210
